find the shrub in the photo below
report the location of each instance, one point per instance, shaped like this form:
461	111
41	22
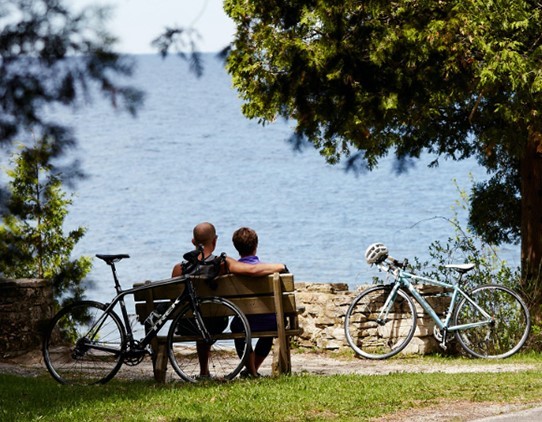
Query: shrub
33	243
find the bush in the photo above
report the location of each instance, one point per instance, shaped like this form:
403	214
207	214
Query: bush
32	240
466	247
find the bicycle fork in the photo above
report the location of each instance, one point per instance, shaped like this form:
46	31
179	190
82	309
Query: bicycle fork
390	300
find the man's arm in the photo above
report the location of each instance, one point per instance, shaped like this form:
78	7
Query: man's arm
253	270
177	271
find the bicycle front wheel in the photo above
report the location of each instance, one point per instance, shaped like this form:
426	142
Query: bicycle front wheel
505	334
373	338
84	344
220	357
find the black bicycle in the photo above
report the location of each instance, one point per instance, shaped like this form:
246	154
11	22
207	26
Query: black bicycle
87	342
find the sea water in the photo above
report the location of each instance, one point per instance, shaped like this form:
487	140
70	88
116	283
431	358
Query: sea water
191	156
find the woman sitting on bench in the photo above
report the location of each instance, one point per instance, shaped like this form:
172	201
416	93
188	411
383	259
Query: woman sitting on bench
245	241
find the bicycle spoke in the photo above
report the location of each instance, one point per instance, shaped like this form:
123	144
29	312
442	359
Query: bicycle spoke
84	344
505	334
379	339
220	358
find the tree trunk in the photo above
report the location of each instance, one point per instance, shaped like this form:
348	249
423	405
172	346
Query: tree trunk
531	223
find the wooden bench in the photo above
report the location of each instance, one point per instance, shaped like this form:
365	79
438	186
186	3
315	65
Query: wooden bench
253	295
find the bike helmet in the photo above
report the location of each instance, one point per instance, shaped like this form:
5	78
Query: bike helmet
376	253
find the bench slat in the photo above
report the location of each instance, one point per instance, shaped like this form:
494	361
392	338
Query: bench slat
227	286
248	305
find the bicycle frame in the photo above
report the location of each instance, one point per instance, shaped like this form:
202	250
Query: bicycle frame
403	279
187	296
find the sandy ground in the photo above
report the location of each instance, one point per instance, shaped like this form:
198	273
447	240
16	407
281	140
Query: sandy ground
329	364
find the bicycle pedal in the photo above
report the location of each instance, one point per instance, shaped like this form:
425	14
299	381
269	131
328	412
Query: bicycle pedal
443	346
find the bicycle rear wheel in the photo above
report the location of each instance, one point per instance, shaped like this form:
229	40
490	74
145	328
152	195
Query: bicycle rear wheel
508	331
375	339
84	344
193	358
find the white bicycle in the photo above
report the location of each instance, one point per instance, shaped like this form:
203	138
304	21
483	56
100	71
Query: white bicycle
491	321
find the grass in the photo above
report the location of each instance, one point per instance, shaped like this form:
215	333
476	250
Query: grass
300	397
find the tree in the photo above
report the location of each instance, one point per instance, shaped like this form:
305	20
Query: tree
32	240
181	40
50	56
453	78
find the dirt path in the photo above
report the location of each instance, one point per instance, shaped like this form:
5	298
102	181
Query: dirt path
328	364
313	363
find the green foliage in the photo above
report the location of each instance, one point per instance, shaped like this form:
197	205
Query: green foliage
180	40
496	210
453	78
535	340
32	239
466	247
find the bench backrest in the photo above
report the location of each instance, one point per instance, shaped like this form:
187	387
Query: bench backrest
253	295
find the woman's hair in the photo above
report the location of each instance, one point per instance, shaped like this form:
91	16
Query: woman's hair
245	241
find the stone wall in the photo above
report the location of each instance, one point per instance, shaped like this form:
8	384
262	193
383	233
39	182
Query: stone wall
25	307
325	306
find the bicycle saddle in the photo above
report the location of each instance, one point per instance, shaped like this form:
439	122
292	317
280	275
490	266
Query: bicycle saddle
461	268
109	259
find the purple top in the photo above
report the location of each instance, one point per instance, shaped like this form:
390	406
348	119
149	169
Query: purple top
262	322
251	259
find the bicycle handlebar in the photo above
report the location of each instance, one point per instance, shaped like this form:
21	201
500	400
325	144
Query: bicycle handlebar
394	263
397	263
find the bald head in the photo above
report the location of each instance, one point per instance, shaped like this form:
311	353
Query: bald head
204	234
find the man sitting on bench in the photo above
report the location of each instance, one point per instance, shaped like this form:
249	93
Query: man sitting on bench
205	234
